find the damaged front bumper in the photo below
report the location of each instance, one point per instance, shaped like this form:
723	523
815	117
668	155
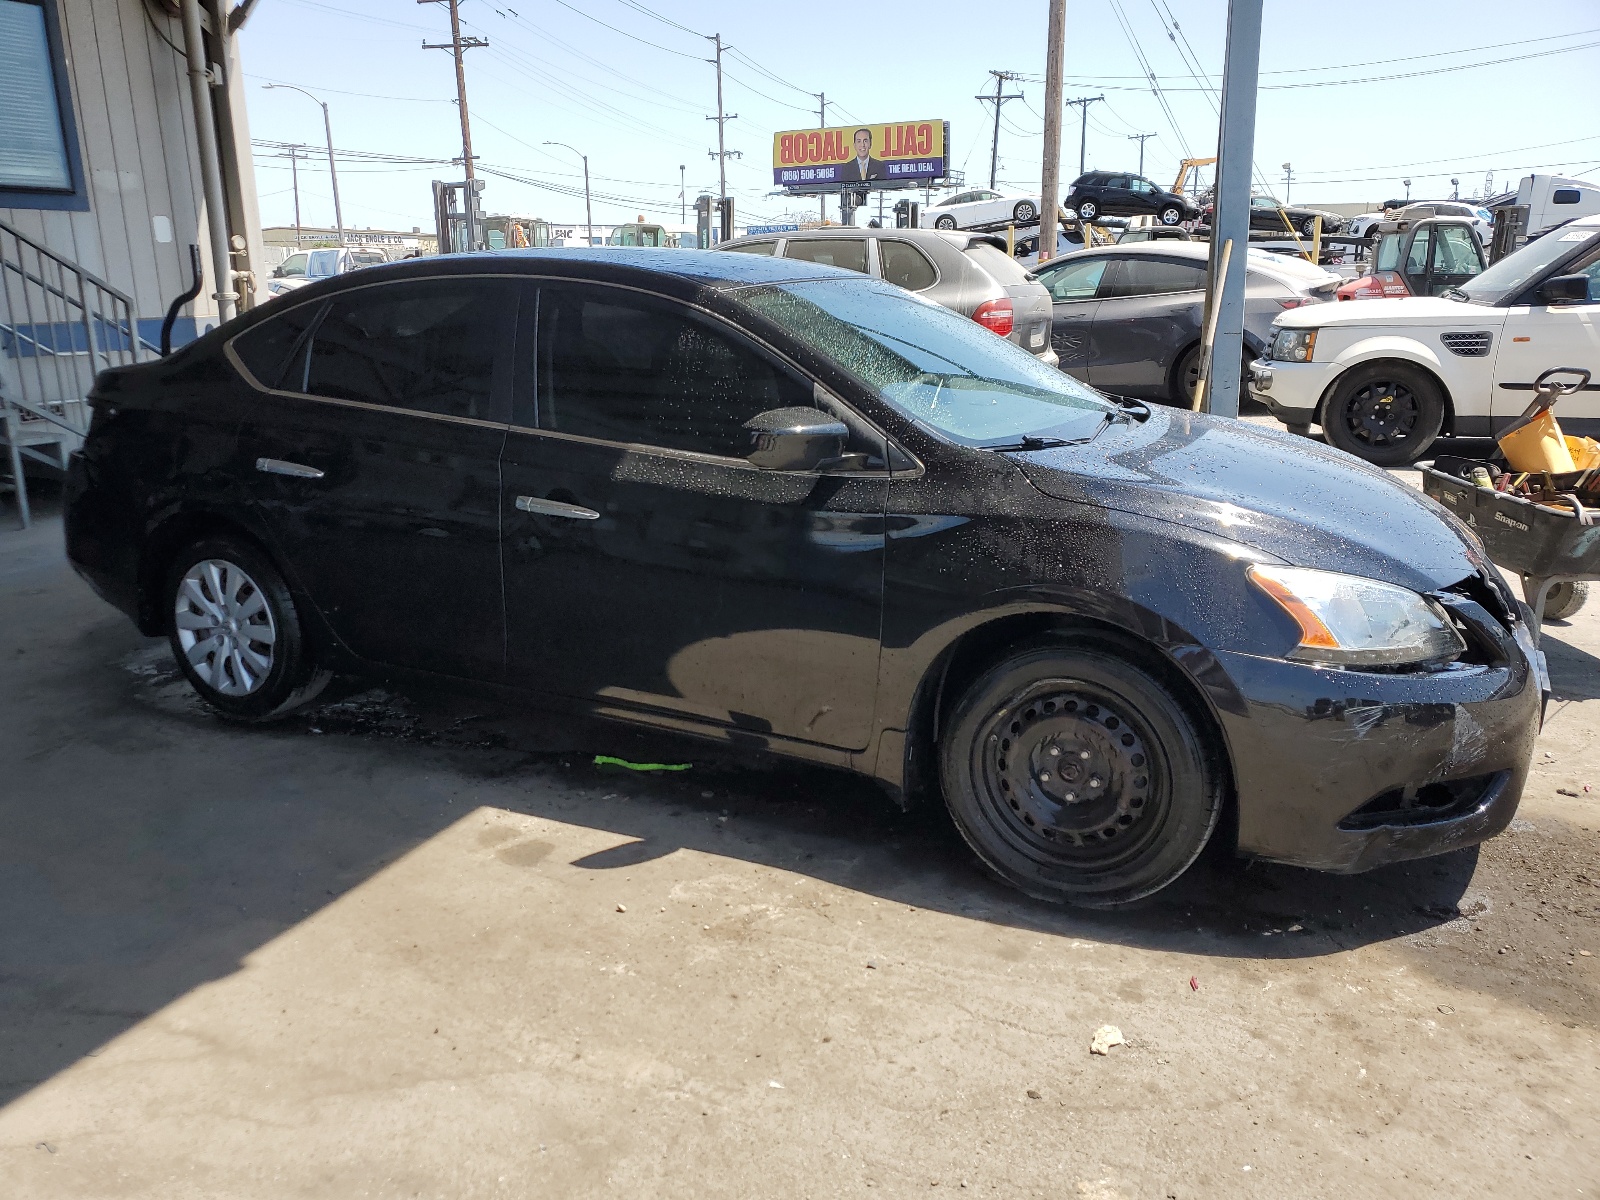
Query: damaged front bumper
1348	770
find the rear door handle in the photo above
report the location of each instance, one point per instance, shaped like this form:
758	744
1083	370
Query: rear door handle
555	508
277	466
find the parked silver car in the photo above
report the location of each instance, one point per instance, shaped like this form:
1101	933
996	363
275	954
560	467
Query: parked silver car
968	273
1127	318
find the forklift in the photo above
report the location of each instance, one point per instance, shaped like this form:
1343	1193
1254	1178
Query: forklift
1419	256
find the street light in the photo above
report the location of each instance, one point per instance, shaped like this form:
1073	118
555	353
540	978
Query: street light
588	209
333	174
1407	182
1288	178
1455	189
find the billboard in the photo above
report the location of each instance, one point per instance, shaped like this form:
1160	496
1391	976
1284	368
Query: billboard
903	152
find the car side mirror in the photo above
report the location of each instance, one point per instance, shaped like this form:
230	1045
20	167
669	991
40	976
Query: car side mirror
277	271
795	439
1564	289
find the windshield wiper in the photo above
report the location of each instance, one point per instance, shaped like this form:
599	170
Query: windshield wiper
1029	442
1128	404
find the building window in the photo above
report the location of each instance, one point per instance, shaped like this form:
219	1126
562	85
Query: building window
39	165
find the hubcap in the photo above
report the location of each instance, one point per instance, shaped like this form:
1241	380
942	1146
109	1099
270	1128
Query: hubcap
1383	412
225	627
1070	774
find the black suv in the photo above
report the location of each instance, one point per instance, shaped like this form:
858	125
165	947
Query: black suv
1108	193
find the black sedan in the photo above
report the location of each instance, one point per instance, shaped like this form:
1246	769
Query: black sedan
788	508
1273	215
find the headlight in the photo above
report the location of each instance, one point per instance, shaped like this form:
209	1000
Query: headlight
1294	345
1349	621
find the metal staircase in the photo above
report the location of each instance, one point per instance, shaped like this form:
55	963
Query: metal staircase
60	326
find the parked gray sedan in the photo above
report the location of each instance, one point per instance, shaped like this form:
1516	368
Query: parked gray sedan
968	273
1127	318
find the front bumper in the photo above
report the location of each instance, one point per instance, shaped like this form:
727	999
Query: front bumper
1349	770
1291	391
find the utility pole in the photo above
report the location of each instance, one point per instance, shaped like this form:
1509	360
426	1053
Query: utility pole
1083	103
683	194
1141	138
1050	189
458	46
1001	78
1288	179
294	175
721	153
822	123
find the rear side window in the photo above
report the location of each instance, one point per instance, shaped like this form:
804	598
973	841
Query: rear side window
429	346
1142	276
1565	196
265	348
753	248
1005	269
905	266
622	368
849	253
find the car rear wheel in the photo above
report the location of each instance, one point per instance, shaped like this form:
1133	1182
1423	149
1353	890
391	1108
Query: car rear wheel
1388	413
945	222
1088	210
1024	213
236	633
1308	227
1171	215
1078	777
1187	377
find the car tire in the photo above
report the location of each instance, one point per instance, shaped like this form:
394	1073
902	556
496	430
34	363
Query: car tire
236	632
1024	213
1308	227
945	222
1145	794
1387	413
1563	600
1088	210
1180	388
1171	215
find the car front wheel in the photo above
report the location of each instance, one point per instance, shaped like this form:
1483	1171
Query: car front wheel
1077	776
945	222
1088	210
236	633
1388	413
1171	215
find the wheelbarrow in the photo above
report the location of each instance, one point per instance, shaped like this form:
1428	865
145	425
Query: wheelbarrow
1551	540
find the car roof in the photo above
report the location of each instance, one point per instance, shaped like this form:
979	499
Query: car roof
1197	252
959	238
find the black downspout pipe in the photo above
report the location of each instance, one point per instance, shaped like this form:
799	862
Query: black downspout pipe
172	312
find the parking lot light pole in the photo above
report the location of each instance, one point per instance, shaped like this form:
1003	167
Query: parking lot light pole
588	209
333	171
1231	221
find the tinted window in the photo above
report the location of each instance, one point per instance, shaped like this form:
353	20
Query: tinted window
1155	276
1117	181
1076	281
264	349
906	266
849	253
428	346
626	369
1564	196
754	248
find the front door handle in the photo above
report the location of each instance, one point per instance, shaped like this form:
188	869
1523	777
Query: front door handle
555	508
277	466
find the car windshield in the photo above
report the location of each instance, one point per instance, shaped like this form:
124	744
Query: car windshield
1513	273
939	369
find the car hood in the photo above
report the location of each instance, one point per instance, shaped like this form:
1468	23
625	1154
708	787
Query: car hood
1403	312
1285	497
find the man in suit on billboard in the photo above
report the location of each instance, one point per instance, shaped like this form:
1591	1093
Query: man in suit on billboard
863	166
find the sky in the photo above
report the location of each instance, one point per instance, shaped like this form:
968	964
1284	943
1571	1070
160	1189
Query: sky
1369	94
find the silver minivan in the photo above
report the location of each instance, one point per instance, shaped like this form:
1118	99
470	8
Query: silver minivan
968	273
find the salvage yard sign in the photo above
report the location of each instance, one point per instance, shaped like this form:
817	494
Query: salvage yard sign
904	152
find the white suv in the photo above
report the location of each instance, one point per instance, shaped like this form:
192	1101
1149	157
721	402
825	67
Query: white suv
1384	378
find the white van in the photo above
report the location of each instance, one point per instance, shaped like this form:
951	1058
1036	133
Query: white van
1553	201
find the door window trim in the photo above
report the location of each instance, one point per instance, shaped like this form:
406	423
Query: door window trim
325	302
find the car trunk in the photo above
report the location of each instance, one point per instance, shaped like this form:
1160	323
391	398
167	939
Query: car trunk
1030	302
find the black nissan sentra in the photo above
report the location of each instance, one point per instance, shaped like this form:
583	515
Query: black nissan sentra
786	507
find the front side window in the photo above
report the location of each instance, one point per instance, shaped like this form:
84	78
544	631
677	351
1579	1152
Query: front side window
1142	276
295	264
849	253
1455	251
34	155
905	266
425	345
1076	281
938	369
623	368
1417	257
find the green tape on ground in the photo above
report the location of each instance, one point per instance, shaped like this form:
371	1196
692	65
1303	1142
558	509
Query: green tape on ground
606	760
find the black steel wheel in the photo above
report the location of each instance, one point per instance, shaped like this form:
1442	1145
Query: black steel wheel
1388	413
1171	215
236	633
1078	777
1024	213
1088	210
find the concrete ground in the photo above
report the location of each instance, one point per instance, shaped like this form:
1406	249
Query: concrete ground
415	947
